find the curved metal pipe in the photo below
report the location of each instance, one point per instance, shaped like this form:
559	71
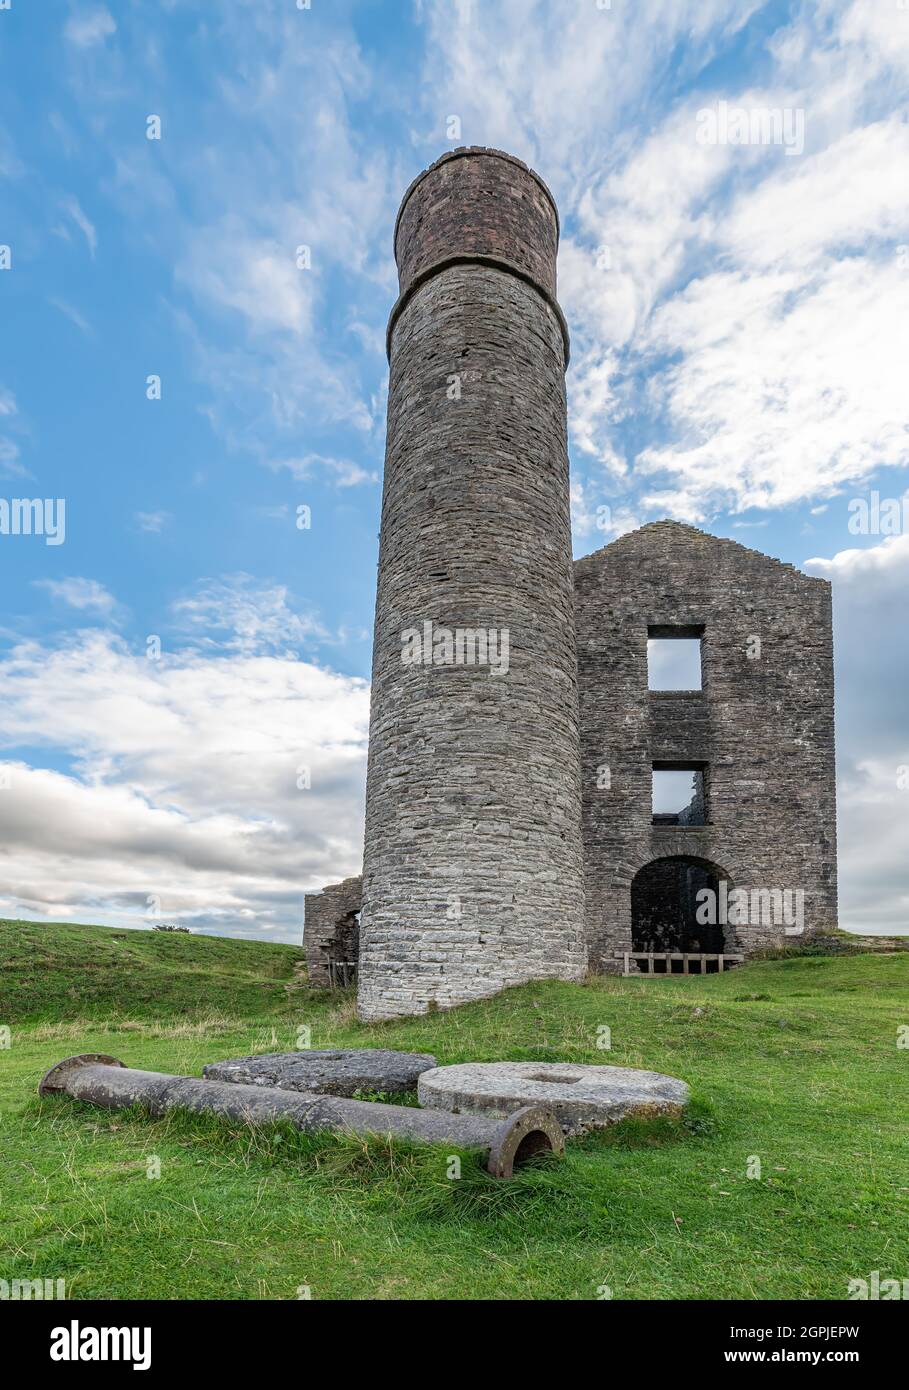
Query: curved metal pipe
106	1081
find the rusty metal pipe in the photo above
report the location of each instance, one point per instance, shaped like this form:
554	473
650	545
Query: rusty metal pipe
108	1082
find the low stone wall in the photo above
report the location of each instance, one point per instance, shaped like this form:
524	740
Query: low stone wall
331	929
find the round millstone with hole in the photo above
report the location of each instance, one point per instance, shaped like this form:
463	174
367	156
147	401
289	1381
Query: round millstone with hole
582	1098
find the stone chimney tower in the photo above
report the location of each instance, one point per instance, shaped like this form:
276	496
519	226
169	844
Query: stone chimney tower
472	875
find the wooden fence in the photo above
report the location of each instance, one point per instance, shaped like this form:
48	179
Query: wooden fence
341	973
668	956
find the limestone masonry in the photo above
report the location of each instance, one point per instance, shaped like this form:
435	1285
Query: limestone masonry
347	1072
472	870
333	933
582	1098
760	730
478	871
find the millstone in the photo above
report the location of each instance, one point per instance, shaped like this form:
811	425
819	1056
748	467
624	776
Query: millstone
340	1073
581	1097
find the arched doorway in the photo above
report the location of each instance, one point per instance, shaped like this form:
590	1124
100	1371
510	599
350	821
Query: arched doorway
664	911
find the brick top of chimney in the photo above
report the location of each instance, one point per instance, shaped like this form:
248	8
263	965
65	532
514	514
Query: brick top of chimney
483	203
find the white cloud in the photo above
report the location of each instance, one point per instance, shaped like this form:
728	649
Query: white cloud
239	614
784	389
872	675
87	595
557	82
841	199
595	404
89	25
740	307
258	278
153	522
72	207
636	226
10	467
185	785
11	166
342	472
887	563
286	170
749	307
72	314
881	29
593	517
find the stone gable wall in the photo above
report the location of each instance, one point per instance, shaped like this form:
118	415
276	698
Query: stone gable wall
763	726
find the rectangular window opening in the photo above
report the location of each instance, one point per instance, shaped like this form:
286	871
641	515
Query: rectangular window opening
674	658
679	796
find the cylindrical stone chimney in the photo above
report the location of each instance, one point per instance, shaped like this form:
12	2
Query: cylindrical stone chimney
472	875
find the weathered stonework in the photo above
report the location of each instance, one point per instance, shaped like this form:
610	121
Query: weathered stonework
582	1098
761	727
328	1073
472	871
477	204
331	932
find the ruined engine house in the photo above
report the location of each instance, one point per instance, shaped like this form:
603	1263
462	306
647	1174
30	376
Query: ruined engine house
643	777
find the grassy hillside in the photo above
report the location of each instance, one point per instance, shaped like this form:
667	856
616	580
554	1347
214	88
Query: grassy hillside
59	970
794	1062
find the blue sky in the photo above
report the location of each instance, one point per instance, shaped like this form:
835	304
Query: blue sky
738	317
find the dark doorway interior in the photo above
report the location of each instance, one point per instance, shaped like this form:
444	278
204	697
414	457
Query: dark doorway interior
664	905
343	951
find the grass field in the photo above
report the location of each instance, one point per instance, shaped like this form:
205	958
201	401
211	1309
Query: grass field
793	1062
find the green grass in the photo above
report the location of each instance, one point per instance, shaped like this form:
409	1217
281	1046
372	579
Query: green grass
793	1061
60	971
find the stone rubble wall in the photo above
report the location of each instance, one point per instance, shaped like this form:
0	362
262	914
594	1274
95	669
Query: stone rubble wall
330	929
763	726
